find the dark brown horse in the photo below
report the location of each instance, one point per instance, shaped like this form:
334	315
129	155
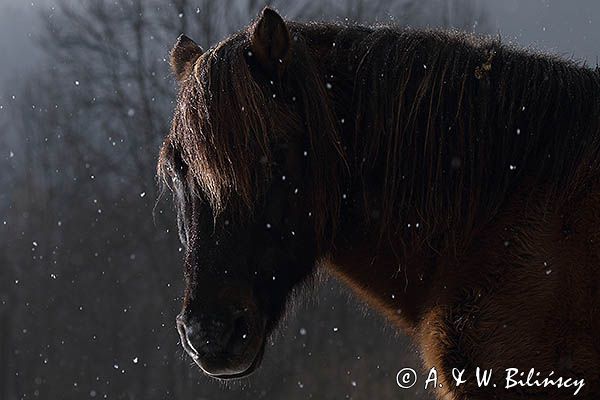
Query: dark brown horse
452	181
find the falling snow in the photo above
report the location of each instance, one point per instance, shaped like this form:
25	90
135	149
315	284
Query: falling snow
91	262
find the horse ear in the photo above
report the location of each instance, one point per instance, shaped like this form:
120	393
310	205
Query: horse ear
270	40
184	54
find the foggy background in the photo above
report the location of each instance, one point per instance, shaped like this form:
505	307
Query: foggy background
90	282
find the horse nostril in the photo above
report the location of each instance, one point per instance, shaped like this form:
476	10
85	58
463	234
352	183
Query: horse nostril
183	331
240	333
209	337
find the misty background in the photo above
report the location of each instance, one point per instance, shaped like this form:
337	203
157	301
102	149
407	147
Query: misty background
90	280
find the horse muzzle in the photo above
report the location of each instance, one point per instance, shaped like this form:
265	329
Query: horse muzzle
227	343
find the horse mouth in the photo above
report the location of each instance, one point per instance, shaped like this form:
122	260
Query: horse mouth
247	372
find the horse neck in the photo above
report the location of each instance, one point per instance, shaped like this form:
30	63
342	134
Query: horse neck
392	267
384	268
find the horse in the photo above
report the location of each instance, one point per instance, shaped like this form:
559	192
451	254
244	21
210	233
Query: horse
450	180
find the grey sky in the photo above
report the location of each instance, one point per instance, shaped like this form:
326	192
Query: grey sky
567	27
19	22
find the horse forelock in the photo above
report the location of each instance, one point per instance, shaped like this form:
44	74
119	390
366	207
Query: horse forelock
224	126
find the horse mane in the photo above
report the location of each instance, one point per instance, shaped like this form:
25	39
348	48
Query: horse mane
434	129
225	124
447	125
